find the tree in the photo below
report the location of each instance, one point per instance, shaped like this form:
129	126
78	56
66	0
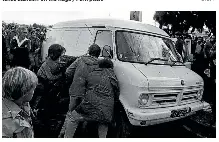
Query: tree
183	20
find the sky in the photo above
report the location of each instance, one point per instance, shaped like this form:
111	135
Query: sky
50	18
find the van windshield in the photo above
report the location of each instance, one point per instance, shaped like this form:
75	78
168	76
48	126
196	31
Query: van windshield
143	48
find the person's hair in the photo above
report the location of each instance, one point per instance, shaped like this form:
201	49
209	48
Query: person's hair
17	82
33	32
21	29
94	50
105	63
55	51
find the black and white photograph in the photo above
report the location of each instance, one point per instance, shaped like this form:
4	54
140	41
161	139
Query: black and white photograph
109	74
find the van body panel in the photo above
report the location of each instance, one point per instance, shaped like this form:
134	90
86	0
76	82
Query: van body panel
122	24
165	75
131	82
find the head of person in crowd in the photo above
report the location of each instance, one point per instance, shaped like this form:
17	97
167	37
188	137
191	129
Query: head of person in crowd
207	51
178	35
38	31
213	39
105	63
56	51
200	40
18	85
33	34
94	50
22	32
13	32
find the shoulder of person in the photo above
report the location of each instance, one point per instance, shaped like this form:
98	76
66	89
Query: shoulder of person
41	68
12	126
27	41
74	64
79	59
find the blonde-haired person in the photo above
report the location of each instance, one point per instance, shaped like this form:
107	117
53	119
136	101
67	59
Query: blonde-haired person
18	85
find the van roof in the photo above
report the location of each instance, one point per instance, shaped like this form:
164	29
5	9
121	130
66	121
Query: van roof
126	24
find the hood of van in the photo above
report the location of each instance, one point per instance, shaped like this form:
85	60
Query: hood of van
167	76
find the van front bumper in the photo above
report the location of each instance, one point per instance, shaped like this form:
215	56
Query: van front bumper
145	117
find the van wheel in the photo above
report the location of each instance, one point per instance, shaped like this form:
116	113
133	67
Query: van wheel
124	128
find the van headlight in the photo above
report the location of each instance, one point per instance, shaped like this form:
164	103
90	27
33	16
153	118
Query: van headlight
143	99
200	94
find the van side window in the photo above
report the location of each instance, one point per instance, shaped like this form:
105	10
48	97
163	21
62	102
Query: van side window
84	41
68	37
104	40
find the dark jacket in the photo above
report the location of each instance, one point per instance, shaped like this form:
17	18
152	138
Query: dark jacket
20	53
97	86
51	83
70	71
52	71
78	72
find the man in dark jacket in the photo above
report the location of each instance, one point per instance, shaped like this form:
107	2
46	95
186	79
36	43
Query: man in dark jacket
210	78
35	52
20	47
90	60
83	66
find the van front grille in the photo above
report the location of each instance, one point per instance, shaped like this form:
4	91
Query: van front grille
189	96
173	97
164	99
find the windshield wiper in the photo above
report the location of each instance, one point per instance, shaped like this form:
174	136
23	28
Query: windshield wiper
153	59
174	62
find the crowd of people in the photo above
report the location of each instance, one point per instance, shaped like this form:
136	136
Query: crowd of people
36	92
16	35
203	63
205	66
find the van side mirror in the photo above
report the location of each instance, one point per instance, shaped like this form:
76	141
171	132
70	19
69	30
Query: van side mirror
107	52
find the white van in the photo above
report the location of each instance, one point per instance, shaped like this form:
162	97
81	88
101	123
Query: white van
155	86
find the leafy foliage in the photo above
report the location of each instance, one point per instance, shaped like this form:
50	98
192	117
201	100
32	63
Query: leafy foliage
183	20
